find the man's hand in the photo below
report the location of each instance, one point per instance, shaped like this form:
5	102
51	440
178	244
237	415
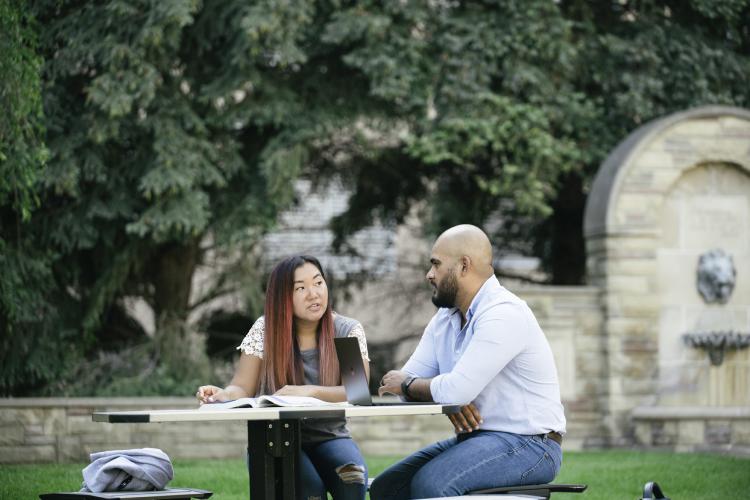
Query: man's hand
391	382
467	420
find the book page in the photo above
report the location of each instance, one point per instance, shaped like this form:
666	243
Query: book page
296	401
235	403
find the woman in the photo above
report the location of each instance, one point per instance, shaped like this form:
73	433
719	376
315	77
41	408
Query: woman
290	351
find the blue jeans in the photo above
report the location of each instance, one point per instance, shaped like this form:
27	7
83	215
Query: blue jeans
468	462
320	470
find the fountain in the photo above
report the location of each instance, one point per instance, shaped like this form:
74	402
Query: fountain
716	278
716	343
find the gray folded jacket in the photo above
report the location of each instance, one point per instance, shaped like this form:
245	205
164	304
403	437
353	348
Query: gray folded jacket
143	469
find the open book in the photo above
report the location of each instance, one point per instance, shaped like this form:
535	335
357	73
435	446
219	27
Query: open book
263	401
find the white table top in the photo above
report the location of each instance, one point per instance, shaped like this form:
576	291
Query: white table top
268	413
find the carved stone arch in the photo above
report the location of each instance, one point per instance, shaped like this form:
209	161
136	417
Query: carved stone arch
625	228
601	212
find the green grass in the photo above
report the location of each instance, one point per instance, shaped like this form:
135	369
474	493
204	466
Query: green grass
609	474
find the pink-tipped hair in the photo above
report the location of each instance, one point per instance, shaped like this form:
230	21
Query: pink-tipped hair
282	363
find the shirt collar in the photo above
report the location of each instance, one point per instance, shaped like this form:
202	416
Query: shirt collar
491	284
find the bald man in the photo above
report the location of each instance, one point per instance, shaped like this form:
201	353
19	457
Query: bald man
483	350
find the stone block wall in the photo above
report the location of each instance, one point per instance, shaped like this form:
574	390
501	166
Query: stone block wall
694	429
571	318
305	229
49	430
58	430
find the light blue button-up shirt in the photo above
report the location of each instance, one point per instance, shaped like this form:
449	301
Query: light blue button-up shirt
500	360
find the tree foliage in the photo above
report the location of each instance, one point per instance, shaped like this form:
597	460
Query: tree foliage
21	152
24	298
175	129
509	107
484	92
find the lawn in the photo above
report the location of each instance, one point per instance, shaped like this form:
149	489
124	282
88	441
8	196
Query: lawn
609	474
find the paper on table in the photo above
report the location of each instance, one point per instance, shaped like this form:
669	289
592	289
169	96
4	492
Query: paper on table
265	401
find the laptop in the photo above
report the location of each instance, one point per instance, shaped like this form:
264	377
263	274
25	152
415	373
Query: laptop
354	378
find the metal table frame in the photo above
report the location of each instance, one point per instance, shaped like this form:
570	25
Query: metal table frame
273	436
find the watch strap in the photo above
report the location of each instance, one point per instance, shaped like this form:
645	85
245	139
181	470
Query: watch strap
405	387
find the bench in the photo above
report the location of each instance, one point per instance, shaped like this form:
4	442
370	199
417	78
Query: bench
169	493
537	490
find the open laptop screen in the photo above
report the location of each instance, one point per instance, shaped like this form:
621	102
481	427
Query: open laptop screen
354	378
353	371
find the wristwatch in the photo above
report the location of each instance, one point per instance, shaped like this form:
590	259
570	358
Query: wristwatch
405	387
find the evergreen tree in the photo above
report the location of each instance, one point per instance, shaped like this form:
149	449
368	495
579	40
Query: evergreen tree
174	128
26	276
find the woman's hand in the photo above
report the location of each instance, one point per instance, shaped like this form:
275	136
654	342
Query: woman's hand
296	390
467	420
211	394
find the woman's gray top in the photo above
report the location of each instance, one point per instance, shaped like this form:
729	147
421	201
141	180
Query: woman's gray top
319	429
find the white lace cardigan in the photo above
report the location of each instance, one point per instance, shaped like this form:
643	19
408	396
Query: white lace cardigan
252	344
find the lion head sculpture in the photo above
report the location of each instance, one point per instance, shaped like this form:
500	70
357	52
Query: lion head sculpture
716	276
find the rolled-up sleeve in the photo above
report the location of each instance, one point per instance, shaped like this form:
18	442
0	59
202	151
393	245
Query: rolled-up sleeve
493	344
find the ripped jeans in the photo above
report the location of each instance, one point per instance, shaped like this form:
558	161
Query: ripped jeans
323	467
468	462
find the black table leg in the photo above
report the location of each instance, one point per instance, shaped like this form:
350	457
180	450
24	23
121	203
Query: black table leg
273	449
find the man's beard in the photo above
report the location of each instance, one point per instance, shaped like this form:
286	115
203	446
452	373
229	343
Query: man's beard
445	292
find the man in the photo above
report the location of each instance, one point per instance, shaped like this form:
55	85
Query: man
485	350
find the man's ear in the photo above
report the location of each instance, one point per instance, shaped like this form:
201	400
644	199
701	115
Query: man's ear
465	264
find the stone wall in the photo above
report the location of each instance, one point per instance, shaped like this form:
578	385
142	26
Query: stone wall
305	228
694	429
59	430
42	430
571	318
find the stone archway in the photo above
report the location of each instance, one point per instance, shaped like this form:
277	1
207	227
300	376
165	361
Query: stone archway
630	227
